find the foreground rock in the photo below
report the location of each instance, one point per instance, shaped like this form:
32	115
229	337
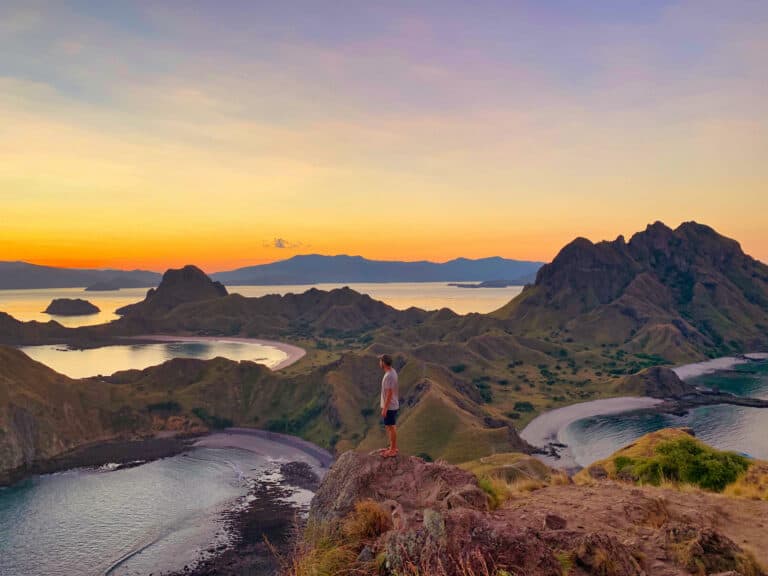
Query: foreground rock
71	307
435	518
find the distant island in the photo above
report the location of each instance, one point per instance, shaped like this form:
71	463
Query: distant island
495	283
305	269
71	307
104	286
318	269
22	275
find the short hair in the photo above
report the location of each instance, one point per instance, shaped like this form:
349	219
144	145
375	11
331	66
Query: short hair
387	359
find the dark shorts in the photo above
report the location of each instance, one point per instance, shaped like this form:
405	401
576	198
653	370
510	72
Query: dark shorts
391	418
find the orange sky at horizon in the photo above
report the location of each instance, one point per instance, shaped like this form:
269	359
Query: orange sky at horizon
218	258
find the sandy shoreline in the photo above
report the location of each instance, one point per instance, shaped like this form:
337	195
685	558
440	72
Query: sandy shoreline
269	444
688	371
547	427
293	353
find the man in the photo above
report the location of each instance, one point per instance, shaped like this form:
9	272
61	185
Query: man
390	403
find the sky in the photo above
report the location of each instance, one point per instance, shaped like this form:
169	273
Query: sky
155	134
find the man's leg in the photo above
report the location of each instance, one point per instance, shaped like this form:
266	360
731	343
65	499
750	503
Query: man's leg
392	434
393	439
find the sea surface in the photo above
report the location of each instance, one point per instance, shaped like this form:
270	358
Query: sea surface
153	518
109	359
29	304
736	428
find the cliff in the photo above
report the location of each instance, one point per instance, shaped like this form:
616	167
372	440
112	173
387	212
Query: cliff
401	516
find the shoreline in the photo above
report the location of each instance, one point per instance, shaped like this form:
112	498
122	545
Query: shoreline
144	450
688	371
546	431
293	353
255	440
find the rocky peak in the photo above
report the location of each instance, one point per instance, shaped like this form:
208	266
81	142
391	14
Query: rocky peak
656	382
178	286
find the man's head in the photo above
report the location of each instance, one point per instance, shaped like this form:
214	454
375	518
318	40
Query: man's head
385	361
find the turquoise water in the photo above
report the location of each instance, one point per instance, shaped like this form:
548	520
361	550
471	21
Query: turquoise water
109	359
726	427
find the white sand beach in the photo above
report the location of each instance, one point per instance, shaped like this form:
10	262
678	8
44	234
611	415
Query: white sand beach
270	444
546	427
688	371
293	353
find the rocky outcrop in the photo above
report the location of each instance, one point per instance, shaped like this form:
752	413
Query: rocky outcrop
656	382
440	517
71	307
188	284
413	484
436	518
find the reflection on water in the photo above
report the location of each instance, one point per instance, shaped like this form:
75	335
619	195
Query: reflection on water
29	304
736	428
110	359
157	516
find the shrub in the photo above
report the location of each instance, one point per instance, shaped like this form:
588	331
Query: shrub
169	406
458	368
523	407
211	420
688	461
622	462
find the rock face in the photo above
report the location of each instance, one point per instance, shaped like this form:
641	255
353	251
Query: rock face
71	307
413	483
440	517
188	284
439	521
656	382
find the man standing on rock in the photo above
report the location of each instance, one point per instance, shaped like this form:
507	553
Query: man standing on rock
390	403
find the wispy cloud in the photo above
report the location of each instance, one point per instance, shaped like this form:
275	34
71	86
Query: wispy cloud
283	244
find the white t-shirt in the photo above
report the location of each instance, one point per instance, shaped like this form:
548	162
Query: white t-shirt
389	382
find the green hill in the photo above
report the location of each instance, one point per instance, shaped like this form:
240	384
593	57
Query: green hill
681	294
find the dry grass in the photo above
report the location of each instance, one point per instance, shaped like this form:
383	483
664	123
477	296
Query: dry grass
333	549
367	521
752	485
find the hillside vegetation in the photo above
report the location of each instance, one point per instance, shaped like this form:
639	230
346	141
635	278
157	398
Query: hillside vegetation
674	457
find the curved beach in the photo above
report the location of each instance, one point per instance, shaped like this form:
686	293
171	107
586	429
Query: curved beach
293	353
546	427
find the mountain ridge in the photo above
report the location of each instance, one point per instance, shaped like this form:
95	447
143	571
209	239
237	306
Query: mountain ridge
343	268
